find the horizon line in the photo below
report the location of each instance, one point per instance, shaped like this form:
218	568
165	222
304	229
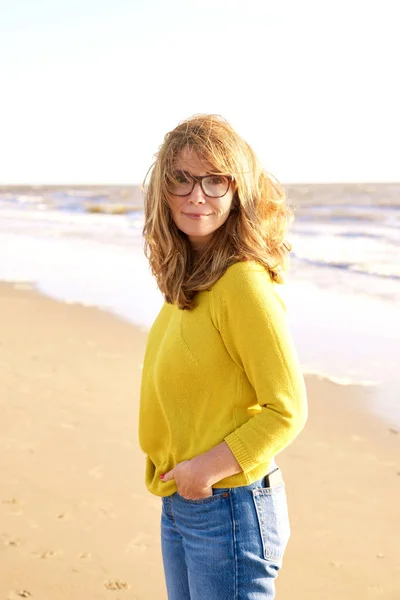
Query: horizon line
131	184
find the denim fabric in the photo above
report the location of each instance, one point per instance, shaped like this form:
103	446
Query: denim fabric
229	546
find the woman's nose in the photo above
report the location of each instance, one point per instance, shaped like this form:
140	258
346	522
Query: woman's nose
197	195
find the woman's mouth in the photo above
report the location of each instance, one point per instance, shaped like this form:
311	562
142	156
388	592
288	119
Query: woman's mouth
196	215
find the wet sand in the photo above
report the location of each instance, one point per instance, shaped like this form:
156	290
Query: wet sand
75	518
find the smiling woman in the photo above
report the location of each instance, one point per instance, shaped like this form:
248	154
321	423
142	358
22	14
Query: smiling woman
222	391
199	203
245	210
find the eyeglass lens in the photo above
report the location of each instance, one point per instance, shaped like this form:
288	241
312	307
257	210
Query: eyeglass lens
214	186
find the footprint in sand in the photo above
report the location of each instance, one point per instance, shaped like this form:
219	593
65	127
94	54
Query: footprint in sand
44	554
336	564
116	584
62	516
15	542
141	541
18	595
9	541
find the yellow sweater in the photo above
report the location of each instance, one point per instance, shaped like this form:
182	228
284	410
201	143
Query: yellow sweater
225	370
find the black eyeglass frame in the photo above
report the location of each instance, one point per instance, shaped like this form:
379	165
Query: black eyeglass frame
199	179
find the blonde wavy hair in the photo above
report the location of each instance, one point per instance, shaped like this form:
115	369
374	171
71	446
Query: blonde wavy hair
255	229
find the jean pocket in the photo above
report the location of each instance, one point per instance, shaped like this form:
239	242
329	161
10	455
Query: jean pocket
273	519
218	494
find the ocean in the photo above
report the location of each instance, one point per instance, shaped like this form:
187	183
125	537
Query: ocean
83	244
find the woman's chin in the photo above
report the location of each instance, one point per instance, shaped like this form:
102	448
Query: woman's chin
197	231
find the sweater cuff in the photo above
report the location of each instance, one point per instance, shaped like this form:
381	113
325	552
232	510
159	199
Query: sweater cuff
239	452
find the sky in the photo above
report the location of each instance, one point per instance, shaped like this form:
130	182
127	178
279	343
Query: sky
89	88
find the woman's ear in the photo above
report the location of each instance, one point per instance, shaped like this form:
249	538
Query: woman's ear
235	202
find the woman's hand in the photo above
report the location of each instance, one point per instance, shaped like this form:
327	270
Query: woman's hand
190	480
194	478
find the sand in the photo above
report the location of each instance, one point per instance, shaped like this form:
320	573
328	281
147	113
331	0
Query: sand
76	521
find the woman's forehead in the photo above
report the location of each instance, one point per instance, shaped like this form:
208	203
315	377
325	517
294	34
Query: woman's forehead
190	160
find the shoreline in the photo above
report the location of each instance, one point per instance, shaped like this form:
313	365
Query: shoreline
75	517
358	332
308	371
382	401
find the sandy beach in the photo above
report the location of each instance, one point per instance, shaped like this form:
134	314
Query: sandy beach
76	521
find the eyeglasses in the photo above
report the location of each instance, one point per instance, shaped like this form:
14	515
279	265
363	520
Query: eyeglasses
213	186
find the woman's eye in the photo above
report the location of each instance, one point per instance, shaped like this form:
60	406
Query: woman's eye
182	179
216	180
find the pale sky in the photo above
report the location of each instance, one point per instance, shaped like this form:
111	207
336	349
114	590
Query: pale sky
90	87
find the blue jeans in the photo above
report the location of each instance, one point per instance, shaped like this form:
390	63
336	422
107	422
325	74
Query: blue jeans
226	547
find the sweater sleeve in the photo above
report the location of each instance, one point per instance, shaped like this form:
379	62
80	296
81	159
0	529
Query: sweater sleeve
252	322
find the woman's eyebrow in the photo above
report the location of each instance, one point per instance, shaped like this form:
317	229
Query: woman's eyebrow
184	172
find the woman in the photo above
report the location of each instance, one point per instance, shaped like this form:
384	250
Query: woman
222	392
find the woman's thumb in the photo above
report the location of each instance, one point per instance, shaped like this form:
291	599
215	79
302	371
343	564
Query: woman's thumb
167	476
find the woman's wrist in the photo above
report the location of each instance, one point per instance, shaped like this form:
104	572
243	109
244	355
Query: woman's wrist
216	464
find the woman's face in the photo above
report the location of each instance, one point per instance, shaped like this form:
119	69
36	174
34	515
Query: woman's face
198	215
